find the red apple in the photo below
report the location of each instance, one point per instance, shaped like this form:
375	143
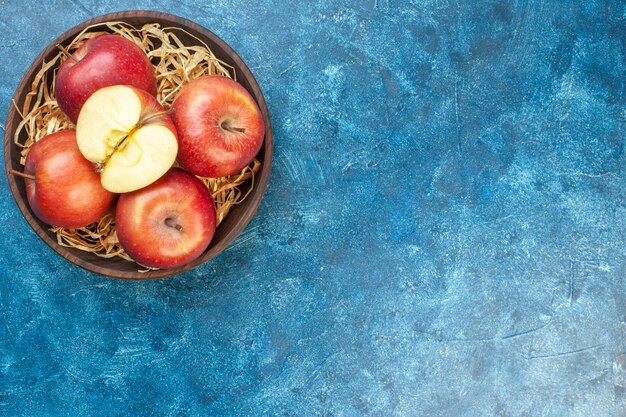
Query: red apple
168	223
100	62
126	132
220	127
65	190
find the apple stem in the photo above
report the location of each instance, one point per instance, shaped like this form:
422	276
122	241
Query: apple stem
21	174
145	120
66	53
226	126
170	222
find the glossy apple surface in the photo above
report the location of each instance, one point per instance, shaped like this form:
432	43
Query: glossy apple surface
220	127
66	191
126	132
101	62
167	224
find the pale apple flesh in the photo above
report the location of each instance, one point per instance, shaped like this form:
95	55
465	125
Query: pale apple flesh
168	223
101	62
66	189
220	127
128	134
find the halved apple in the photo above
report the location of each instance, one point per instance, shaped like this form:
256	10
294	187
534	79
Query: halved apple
129	136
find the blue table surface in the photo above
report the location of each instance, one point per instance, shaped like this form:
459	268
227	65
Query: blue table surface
444	232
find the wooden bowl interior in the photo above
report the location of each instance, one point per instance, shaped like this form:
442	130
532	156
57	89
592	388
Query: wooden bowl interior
238	217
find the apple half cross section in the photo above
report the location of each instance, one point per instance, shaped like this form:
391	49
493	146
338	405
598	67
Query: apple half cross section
126	132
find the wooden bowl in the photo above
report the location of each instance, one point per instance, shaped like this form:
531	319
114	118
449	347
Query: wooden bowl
239	216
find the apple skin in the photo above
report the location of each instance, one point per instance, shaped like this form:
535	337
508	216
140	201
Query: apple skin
102	61
142	218
66	191
207	113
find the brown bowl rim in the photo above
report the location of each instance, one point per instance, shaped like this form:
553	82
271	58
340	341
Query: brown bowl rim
255	196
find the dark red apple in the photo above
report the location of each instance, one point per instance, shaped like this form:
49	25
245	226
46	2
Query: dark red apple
168	223
101	62
64	188
220	127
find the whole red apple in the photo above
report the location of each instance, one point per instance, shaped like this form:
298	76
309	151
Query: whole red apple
100	62
66	189
220	127
168	223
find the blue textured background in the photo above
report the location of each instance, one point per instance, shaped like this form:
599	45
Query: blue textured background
444	233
